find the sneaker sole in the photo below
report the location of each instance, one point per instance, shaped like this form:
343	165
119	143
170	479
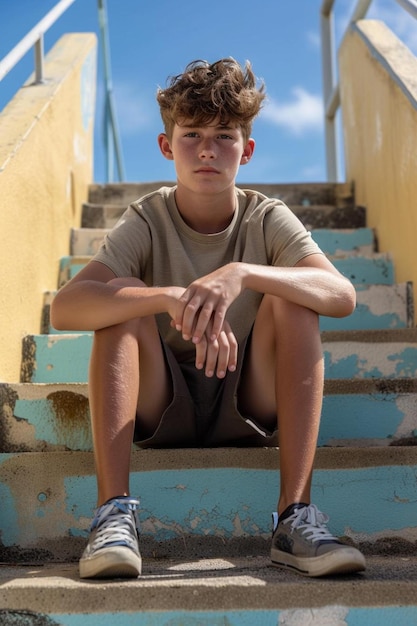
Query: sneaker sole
346	561
116	562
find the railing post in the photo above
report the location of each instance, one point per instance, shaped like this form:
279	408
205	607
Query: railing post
39	60
112	140
327	39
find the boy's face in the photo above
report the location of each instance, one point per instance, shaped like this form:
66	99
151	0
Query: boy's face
207	158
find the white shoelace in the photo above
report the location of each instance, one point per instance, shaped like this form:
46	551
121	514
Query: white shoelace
115	523
312	522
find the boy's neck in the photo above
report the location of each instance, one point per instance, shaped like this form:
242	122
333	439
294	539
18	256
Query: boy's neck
206	213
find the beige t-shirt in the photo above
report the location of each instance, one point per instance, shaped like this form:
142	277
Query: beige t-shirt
152	242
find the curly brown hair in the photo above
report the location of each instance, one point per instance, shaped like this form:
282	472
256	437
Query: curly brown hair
206	92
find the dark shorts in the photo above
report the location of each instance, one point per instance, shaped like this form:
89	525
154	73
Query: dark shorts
204	411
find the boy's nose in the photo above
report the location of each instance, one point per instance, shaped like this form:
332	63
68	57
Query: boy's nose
207	150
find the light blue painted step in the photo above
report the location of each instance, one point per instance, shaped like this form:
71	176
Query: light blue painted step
64	358
377	307
377	269
370	354
56	417
379	412
223	494
337	242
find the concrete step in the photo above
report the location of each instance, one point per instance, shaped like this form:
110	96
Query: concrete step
386	353
379	307
339	242
38	417
313	216
377	268
303	194
206	501
370	354
335	242
237	591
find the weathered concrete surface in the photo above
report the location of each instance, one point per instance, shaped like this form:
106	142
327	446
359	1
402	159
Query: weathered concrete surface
204	495
377	86
45	180
215	585
301	194
53	417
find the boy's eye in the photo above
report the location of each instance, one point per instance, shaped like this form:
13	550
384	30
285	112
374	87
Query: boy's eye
191	134
224	136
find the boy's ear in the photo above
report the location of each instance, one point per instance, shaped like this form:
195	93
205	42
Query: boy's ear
165	146
248	152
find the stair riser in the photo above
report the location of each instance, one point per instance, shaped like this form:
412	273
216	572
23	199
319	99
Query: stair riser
377	307
339	194
369	360
359	270
338	242
332	615
47	503
57	417
64	357
335	242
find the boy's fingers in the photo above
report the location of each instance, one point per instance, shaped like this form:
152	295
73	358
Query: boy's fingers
200	354
218	321
211	358
223	356
204	316
233	350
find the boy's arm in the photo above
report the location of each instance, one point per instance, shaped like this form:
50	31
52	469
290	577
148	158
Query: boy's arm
93	299
313	283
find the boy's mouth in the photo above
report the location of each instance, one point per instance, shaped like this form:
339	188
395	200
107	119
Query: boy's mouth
207	170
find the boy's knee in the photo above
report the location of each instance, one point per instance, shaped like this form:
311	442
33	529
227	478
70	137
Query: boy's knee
287	317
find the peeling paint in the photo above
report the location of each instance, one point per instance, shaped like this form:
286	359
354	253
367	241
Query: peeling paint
321	616
10	617
370	360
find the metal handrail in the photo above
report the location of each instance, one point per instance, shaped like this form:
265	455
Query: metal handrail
34	38
331	91
410	6
111	131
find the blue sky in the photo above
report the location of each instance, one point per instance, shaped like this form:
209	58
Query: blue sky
151	40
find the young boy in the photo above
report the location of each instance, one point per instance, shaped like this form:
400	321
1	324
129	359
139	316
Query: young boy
205	301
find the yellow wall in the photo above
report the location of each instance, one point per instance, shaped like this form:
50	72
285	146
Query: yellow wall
46	148
378	79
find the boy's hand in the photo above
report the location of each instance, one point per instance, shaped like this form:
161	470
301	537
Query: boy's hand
205	302
219	355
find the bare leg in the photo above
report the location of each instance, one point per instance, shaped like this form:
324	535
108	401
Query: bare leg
284	376
124	357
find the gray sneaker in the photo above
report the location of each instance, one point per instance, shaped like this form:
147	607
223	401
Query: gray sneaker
302	542
113	548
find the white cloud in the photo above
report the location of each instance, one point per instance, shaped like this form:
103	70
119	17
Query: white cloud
301	114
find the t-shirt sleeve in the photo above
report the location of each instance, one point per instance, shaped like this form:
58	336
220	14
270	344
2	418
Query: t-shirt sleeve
286	238
126	248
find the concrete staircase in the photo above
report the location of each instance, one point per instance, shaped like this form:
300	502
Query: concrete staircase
205	514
